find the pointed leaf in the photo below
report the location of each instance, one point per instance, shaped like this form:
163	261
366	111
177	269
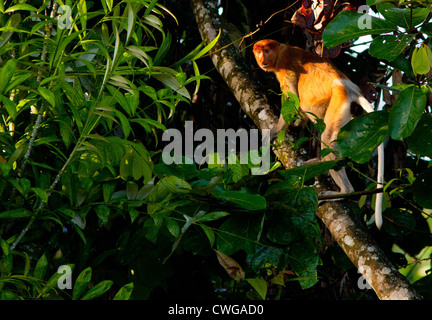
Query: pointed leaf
98	290
406	112
362	135
81	283
125	292
345	27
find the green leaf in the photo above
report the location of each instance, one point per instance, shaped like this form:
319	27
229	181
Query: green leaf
175	185
304	259
16	214
427	28
211	216
247	201
81	283
389	47
47	95
398	222
163	50
362	135
240	232
421	59
283	231
170	81
290	106
208	47
345	27
422	189
5	247
10	106
40	193
6	73
102	212
41	267
98	290
402	16
420	142
125	292
22	6
406	112
260	285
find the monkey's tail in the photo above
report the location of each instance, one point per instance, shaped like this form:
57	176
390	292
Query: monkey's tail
380	175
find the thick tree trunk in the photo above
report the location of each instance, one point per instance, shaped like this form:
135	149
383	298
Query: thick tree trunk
383	277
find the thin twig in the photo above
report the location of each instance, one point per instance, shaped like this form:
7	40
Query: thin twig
349	195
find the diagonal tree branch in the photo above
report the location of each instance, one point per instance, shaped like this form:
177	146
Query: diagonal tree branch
384	278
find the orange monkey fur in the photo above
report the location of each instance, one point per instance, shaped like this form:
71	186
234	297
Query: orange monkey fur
322	90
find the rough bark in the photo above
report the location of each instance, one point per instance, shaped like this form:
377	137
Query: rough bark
237	76
383	277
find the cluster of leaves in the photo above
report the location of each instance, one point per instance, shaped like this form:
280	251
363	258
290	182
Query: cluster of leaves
73	91
82	98
401	39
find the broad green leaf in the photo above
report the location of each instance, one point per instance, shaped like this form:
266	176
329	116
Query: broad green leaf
209	233
398	221
345	27
406	112
6	73
284	231
263	256
421	59
12	23
48	95
40	193
362	135
5	247
9	105
175	185
102	211
16	214
427	28
404	17
260	285
41	267
240	232
420	142
247	201
170	81
125	292
389	47
290	106
81	283
422	189
304	259
22	6
98	290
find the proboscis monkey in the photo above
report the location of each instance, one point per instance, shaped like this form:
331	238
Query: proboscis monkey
323	91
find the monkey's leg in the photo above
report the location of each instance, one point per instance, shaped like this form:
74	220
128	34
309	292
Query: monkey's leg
337	115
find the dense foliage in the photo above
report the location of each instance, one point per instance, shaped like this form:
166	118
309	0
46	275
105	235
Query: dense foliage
85	97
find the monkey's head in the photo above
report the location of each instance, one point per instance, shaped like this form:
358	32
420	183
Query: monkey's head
266	53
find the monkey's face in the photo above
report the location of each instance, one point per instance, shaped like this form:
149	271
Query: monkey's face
266	52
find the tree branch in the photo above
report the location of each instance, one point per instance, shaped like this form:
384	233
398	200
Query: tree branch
384	278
